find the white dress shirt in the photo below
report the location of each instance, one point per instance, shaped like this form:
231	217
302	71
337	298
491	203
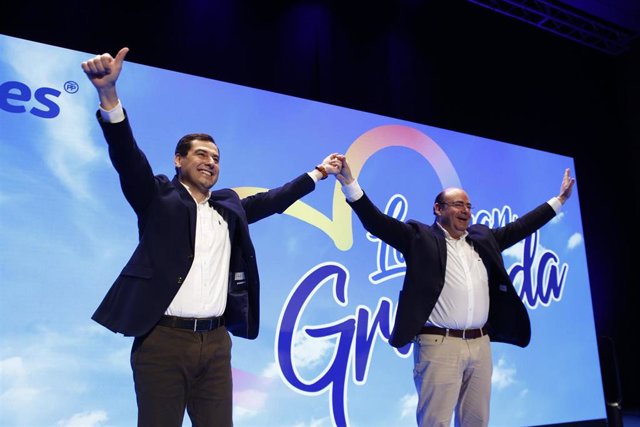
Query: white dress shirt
204	291
464	300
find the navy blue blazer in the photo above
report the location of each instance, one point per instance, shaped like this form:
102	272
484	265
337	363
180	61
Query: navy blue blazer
425	253
166	215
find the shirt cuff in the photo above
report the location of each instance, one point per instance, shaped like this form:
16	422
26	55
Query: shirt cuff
352	191
556	204
115	115
313	177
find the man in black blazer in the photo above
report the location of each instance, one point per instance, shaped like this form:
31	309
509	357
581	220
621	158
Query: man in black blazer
193	275
456	297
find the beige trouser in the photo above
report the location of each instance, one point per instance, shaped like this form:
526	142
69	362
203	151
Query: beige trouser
452	374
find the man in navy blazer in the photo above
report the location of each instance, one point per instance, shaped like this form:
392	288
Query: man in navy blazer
193	275
456	297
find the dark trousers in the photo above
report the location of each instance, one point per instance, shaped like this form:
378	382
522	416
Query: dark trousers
178	369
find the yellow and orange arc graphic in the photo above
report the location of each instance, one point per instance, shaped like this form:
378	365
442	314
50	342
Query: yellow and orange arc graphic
339	227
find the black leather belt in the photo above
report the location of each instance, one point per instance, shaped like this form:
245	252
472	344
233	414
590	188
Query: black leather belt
465	334
196	325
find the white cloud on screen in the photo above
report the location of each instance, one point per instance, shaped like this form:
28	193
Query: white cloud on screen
310	352
271	371
16	392
514	254
574	241
85	419
504	374
249	403
321	422
408	405
240	413
556	219
67	146
515	251
56	372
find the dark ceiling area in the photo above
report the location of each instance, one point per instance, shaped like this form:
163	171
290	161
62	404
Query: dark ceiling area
609	26
621	13
453	64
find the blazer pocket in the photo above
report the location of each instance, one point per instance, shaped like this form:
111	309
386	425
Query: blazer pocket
238	282
141	271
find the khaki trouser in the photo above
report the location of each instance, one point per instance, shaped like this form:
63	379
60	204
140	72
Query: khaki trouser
452	374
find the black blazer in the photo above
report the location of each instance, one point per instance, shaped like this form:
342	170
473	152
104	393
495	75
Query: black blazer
425	253
166	227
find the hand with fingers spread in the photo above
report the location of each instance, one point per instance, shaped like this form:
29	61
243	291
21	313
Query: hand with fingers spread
566	188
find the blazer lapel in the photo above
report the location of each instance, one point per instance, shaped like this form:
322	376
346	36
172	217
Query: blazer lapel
190	205
485	254
220	202
229	216
442	245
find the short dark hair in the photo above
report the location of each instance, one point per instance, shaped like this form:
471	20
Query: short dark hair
439	199
184	144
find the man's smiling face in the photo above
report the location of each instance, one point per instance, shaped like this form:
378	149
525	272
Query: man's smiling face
200	168
454	212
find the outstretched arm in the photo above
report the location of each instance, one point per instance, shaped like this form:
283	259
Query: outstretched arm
277	200
136	176
389	229
103	72
516	231
566	188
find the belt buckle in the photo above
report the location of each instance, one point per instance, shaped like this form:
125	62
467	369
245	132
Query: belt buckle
195	325
205	324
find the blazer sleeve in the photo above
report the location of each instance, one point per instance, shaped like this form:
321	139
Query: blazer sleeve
277	200
517	230
392	231
137	181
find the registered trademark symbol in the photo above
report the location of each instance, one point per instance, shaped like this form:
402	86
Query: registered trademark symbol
71	86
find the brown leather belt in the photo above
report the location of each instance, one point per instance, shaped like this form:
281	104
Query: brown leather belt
196	325
465	334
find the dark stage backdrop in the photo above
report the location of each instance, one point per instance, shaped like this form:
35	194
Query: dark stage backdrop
445	64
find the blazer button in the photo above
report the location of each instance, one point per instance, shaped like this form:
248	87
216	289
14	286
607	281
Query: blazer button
180	280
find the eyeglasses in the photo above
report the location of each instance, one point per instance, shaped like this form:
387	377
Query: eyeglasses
458	205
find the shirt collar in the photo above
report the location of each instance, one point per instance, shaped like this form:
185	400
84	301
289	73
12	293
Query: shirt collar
194	199
448	236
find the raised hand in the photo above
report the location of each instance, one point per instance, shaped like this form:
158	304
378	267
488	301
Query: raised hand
566	188
103	72
332	164
345	177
